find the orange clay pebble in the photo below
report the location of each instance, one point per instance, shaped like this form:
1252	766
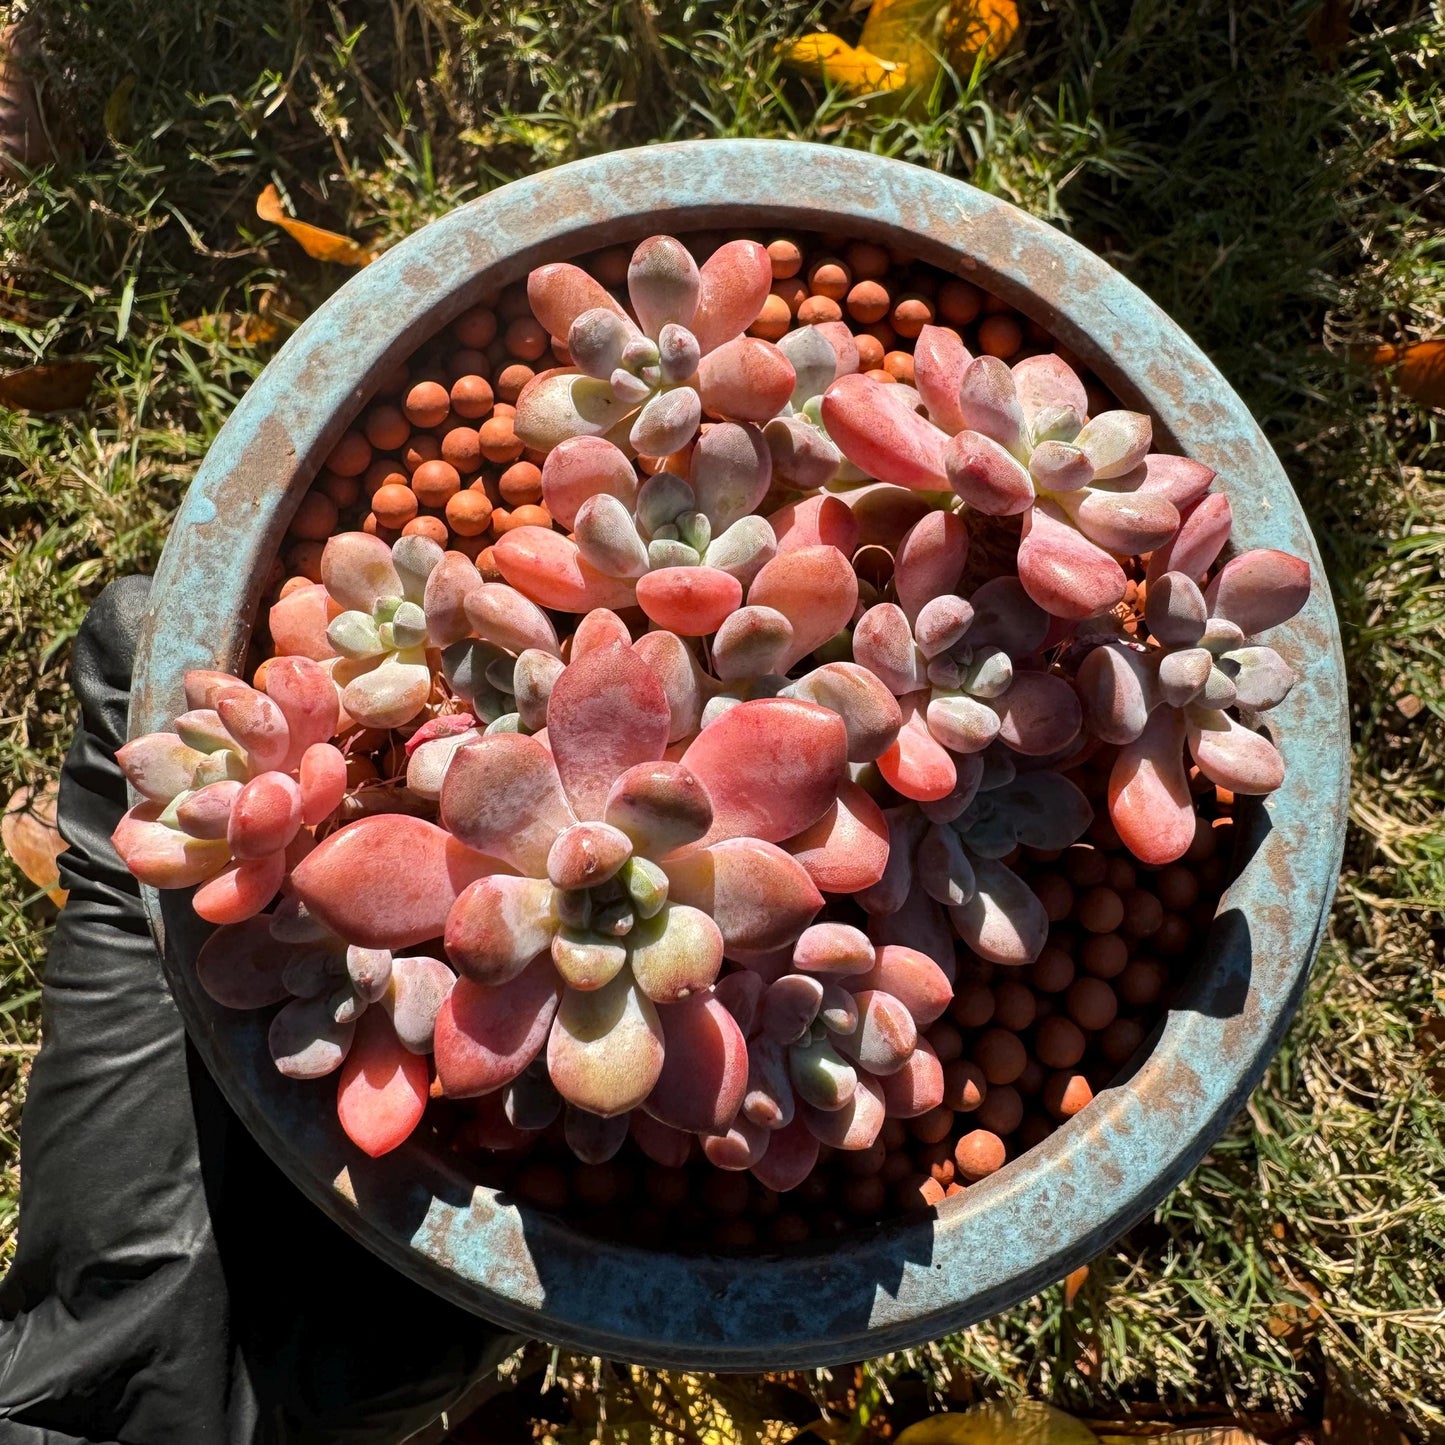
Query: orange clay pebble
1104	955
937	1159
899	365
1120	874
343	491
421	448
305	558
560	353
382	471
511	380
773	320
867	261
350	456
513	302
258	680
609	266
373	528
1059	1042
911	314
387	428
964	1086
1052	971
475	327
503	408
864	1195
959	302
829	277
972	1005
395	381
434	483
1118	1042
882	333
1143	913
393	505
469	547
427	404
978	1154
868	302
295	584
994	305
1013	1006
462	447
1141	983
945	1040
933	1126
1091	1004
315	518
1002	1112
526	338
520	484
467	362
1000	336
486	561
1100	910
1066	1093
818	309
1177	887
471	396
786	258
886	377
531	516
1054	893
498	440
792	293
870	351
927	1191
433	528
1032	1079
1084	866
1001	1055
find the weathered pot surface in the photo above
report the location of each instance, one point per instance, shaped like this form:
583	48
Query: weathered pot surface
903	1281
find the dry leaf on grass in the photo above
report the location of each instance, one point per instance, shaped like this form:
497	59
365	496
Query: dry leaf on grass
1198	1435
323	245
53	387
1026	1423
32	840
235	328
1419	369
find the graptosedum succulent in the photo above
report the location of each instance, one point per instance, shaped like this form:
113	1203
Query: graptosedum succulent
1178	688
1019	441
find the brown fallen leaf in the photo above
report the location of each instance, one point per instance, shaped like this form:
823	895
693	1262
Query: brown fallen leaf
1073	1283
1419	369
56	386
236	328
323	245
32	840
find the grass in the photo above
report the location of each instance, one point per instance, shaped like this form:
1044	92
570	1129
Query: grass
1276	187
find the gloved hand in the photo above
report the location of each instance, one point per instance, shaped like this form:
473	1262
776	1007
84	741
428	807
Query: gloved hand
171	1285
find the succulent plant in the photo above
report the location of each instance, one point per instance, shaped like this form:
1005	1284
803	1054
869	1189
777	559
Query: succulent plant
1019	441
1178	687
804	456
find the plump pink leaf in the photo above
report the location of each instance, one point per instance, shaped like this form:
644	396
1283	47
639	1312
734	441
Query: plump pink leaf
1203	531
1183	674
206	813
485	1036
917	1087
1059	467
988	403
502	615
593	1138
664	1145
415	991
1115	442
298	623
681	677
1176	610
920	923
1061	570
203	686
605	1051
498	925
814	360
878	430
583	467
1232	755
942	623
358	571
1180	479
730	469
1003	922
913	978
1116	691
870	712
771	766
674	954
387	881
562	403
986	475
846	850
885	1036
383	1089
1260	589
735	281
264	816
1149	799
745	379
164	857
607	713
803	455
883	643
857	1124
823	520
559	293
834	950
930	560
752	642
598	628
322	777
662	283
1039	714
1046	384
759	896
666	423
884	513
258	725
815	588
790	1156
939	360
916	765
587	854
1126	523
690	601
740	1146
546	567
704	1069
961	723
306	695
159	765
240	965
240	891
660	806
502	796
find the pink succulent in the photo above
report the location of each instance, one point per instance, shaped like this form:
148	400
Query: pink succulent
227	799
1178	688
1019	440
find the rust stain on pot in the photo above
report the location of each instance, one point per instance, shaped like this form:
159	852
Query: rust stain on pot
1045	1213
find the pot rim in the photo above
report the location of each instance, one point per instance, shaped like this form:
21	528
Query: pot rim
899	1283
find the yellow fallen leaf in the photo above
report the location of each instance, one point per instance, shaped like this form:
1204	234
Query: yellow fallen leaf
54	387
32	840
323	245
1419	369
236	328
915	32
1073	1283
1027	1422
856	70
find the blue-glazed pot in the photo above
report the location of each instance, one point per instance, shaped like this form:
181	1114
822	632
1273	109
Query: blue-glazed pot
1054	1208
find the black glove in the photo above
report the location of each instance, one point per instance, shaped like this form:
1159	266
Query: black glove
171	1285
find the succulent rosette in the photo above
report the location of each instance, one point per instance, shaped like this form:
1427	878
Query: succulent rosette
1018	441
1176	689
